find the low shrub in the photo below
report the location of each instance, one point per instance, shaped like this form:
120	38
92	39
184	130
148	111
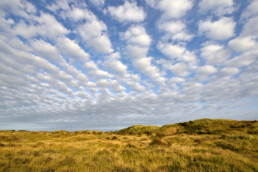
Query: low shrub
198	141
131	146
157	142
67	161
227	146
160	135
114	138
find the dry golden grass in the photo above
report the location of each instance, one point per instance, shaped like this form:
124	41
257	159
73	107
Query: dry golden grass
202	145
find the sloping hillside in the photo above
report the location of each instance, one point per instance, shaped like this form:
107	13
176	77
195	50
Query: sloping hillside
201	126
137	130
200	145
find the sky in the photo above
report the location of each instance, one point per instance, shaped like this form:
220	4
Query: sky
109	64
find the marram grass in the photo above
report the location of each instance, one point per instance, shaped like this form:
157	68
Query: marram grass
201	145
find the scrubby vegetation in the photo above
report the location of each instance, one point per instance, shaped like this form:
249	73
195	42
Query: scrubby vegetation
201	145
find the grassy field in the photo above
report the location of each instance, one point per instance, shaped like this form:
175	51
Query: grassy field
201	145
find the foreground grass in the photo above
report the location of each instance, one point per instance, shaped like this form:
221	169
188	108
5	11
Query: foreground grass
201	145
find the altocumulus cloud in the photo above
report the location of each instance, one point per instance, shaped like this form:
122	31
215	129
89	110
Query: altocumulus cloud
106	65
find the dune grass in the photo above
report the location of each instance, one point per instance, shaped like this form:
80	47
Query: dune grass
201	145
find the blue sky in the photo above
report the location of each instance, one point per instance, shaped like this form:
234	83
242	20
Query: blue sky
105	65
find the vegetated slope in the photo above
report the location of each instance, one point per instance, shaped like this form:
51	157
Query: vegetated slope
200	145
201	126
137	130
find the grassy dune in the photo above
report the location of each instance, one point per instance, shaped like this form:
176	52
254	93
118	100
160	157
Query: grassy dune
201	145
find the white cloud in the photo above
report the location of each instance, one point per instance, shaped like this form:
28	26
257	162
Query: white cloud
177	80
215	54
5	25
143	64
184	36
48	27
136	50
171	9
72	49
90	65
172	26
169	22
62	87
46	50
103	82
41	64
94	33
94	70
98	3
25	30
20	8
115	86
251	28
112	62
33	62
206	70
175	30
152	3
138	42
218	30
229	71
203	73
137	35
116	66
83	95
58	5
44	77
92	30
170	50
17	44
251	10
179	69
128	12
75	14
244	59
100	73
176	52
63	75
241	44
218	7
